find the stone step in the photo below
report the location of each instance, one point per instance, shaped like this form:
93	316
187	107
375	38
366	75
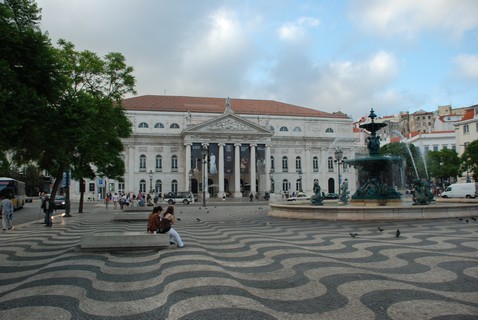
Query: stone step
124	240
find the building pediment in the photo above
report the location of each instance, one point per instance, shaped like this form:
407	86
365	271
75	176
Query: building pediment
228	124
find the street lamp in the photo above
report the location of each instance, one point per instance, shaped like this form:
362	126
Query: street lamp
204	168
338	158
151	180
300	180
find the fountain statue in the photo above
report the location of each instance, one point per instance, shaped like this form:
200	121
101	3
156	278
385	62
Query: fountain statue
317	198
421	193
376	185
344	192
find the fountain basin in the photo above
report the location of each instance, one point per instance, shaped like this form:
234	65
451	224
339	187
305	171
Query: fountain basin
439	210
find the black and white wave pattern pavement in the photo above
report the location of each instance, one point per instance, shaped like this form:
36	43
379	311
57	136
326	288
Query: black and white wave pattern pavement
239	263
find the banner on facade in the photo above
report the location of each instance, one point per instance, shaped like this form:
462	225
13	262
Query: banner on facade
228	159
196	163
245	158
261	158
213	156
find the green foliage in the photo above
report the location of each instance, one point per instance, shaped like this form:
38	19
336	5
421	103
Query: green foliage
469	159
443	164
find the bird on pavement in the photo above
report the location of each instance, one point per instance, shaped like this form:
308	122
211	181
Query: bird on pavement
473	218
397	234
353	235
380	229
466	220
197	219
179	219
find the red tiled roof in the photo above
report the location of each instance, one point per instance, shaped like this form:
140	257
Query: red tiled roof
217	105
468	115
395	139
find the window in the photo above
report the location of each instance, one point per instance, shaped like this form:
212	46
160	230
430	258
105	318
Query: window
174	186
285	164
272	164
120	187
174	163
297	129
143	125
427	148
298	164
435	147
329	130
174	126
330	164
298	185
344	166
315	164
142	186
285	185
283	129
159	125
158	187
142	163
453	147
466	128
466	145
159	163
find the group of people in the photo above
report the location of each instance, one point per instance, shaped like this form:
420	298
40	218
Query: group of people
154	224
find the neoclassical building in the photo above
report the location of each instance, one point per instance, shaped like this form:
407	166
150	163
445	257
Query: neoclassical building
231	146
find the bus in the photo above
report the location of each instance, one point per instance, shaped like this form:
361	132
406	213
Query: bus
15	188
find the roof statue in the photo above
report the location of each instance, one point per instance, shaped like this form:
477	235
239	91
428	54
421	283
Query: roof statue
228	106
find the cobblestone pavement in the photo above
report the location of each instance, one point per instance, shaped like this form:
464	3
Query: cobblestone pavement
239	263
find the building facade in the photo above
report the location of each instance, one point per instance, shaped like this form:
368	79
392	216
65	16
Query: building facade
230	147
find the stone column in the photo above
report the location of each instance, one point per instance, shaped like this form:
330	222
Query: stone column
187	167
307	173
268	168
237	170
253	169
221	170
129	187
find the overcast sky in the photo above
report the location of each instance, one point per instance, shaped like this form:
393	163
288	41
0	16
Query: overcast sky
349	56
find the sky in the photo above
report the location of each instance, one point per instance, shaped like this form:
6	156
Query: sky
348	56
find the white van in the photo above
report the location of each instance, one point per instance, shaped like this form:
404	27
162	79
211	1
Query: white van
460	190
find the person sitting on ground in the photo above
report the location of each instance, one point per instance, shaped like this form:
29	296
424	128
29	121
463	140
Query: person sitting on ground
174	237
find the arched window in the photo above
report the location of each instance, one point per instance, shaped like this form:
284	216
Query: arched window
142	162
142	186
159	125
285	164
272	163
174	186
330	164
174	126
315	164
329	130
174	163
285	185
297	129
298	164
158	187
159	163
143	125
283	128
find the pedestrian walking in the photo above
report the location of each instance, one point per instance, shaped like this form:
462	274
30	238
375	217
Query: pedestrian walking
48	208
6	207
107	201
251	197
115	199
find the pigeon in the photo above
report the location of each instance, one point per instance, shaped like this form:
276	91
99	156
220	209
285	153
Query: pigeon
466	220
199	208
397	234
207	211
380	229
179	219
473	218
353	235
197	219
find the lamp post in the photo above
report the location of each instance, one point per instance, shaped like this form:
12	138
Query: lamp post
300	180
151	181
338	157
204	168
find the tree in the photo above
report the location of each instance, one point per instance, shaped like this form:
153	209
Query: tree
469	160
30	78
414	165
443	164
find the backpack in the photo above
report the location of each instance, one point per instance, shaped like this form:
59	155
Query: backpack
164	225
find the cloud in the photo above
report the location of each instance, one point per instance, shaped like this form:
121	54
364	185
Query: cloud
467	66
297	29
409	18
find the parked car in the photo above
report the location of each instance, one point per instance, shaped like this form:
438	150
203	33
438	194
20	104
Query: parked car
28	200
60	202
181	197
331	196
300	196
